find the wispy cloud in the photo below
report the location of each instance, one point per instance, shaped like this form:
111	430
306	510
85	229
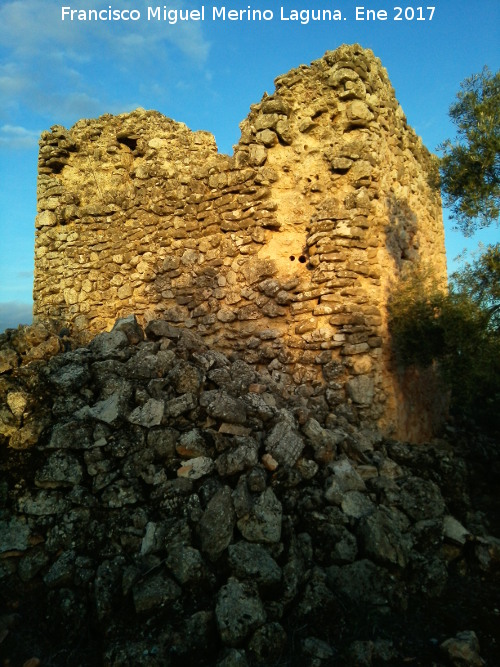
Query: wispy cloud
16	137
53	66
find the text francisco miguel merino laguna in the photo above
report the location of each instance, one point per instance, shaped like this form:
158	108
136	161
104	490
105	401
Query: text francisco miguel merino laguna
221	13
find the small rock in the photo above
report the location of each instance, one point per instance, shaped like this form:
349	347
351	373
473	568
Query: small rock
153	592
253	562
227	408
61	470
284	442
421	499
196	468
14	535
454	531
463	650
61	572
238	611
263	523
217	523
148	415
269	462
268	644
179	405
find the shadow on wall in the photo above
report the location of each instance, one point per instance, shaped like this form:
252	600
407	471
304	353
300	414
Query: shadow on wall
250	321
401	232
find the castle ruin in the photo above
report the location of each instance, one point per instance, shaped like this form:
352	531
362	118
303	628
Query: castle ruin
283	255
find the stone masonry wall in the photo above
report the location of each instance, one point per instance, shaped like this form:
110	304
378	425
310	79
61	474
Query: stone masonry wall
283	255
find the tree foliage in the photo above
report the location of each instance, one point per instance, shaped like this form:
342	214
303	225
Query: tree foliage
458	331
470	166
452	331
479	280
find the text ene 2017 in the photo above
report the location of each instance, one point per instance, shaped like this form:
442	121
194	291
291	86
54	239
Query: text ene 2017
400	14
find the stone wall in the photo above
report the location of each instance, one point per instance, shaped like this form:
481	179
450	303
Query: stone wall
283	255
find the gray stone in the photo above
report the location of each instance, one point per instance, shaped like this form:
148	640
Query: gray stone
186	564
356	505
71	435
161	329
186	377
320	437
367	653
363	583
62	571
69	377
238	611
43	503
148	415
217	523
361	389
243	456
14	535
345	549
316	652
268	644
463	650
130	327
162	441
61	470
453	531
284	442
108	344
383	537
191	444
253	562
31	564
106	583
487	552
263	523
227	409
257	406
196	468
155	591
149	363
233	658
421	499
108	410
119	494
345	478
179	405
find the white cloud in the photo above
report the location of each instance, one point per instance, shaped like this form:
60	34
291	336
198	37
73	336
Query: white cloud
28	26
61	68
16	137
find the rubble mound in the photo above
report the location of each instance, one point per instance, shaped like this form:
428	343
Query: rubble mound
176	507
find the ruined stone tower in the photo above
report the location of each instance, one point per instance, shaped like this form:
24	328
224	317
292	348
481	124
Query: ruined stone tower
283	254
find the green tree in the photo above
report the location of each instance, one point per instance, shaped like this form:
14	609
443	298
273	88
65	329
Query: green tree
470	166
479	280
458	332
454	332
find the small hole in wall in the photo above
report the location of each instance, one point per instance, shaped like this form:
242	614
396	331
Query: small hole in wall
309	266
292	258
302	259
131	142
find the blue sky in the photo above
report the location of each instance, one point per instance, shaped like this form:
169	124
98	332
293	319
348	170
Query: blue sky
205	74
